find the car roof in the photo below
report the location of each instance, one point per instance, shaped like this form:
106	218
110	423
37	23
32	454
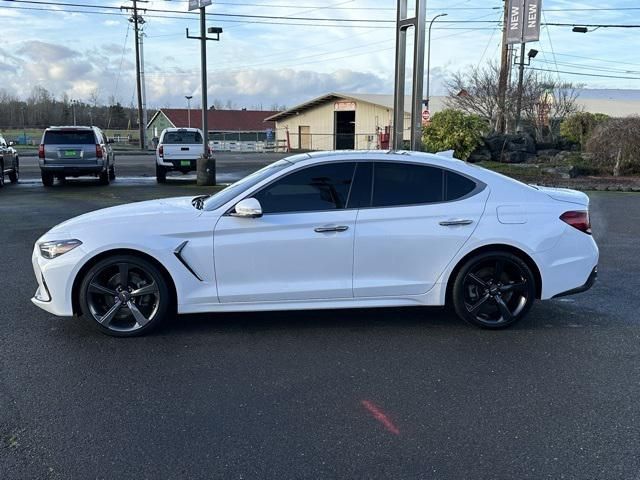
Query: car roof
70	127
181	129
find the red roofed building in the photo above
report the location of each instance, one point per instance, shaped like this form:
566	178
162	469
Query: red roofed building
228	129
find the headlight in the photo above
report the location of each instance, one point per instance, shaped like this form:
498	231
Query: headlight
56	248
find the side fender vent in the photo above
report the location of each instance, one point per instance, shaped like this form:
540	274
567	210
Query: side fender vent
178	253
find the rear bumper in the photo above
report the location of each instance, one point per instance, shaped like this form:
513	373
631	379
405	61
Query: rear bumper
593	276
181	165
73	168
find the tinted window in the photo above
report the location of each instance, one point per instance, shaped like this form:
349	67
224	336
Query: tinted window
406	184
323	187
182	137
457	186
360	195
69	137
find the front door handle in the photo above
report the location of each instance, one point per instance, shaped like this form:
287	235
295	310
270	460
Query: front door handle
457	221
339	228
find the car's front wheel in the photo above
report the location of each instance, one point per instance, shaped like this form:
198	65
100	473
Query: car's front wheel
493	290
124	296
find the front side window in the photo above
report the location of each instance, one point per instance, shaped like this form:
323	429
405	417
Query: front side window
397	184
317	188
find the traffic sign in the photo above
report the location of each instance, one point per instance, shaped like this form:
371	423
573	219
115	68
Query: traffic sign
195	4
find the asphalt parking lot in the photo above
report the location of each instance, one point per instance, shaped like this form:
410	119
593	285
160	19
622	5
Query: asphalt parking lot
389	393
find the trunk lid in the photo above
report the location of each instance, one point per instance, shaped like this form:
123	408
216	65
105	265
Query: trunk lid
565	195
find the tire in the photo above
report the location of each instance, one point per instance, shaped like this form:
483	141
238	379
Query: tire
1	174
161	174
47	178
112	172
102	294
104	177
15	173
494	290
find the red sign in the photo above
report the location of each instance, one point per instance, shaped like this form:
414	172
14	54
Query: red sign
426	116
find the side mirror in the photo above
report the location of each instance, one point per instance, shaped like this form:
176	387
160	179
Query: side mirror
248	208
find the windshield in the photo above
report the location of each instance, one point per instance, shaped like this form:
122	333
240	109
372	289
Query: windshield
223	196
178	137
69	137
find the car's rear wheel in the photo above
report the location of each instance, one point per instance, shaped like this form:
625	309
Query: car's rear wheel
1	174
47	178
15	173
104	177
124	296
494	290
161	174
112	172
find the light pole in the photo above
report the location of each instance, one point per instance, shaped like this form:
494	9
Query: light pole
532	53
189	97
426	102
73	108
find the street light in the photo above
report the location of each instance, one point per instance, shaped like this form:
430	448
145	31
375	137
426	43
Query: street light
426	102
189	97
583	29
73	108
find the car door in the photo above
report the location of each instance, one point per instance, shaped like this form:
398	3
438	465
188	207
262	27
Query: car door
301	248
418	217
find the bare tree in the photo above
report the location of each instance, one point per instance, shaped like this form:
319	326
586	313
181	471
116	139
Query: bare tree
615	144
543	98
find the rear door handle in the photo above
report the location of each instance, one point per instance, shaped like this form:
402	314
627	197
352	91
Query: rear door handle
457	221
339	228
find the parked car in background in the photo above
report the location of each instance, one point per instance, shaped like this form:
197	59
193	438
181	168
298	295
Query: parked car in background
75	151
325	230
178	150
9	162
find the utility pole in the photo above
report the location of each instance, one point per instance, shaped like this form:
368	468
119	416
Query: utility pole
188	97
137	20
505	65
520	79
144	92
206	173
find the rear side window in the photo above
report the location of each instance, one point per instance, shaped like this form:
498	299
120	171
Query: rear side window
457	186
318	188
182	137
69	137
398	184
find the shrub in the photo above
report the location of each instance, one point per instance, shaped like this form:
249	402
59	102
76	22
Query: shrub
615	145
578	127
454	130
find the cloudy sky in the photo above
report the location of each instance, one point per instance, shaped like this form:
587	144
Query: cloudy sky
304	52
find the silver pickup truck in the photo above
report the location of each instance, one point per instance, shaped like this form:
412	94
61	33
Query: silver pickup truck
178	150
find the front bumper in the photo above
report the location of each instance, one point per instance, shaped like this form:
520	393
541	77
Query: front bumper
55	280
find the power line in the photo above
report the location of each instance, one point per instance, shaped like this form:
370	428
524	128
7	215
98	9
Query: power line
582	74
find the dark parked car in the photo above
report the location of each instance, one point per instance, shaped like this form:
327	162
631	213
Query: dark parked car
75	151
9	162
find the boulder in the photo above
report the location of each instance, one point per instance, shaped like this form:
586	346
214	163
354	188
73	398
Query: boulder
503	145
480	154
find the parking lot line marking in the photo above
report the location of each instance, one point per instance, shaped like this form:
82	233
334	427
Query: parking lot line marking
380	416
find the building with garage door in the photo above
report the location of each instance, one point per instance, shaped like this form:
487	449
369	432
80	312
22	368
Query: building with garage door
229	130
342	121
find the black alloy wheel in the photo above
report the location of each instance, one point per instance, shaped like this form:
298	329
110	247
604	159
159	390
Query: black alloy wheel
14	175
494	290
124	296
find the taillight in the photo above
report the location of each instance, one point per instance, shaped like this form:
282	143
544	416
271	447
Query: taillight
161	151
41	151
98	151
578	219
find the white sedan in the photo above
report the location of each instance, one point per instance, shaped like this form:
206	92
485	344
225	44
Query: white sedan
324	230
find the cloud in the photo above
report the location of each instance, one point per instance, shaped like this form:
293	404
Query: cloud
46	52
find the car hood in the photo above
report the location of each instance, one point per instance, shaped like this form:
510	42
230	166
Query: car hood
565	195
140	214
